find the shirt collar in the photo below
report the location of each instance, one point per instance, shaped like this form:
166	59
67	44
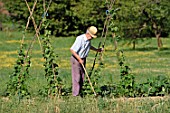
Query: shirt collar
85	38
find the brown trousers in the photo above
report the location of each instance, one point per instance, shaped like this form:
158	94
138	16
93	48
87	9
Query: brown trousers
78	74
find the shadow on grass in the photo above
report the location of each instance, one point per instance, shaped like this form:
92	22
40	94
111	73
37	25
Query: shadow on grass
149	49
144	49
162	52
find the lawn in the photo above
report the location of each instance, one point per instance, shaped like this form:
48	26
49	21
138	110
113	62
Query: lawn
145	62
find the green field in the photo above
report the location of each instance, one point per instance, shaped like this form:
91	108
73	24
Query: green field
145	62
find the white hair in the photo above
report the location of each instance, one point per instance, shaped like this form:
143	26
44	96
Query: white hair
87	31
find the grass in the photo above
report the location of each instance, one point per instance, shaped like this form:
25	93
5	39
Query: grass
86	105
145	61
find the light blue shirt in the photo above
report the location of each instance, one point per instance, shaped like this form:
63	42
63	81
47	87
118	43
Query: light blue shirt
81	46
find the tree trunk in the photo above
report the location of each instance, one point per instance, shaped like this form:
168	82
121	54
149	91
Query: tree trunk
158	35
159	41
134	44
0	26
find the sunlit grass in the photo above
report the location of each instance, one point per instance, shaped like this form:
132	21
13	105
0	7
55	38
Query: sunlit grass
79	105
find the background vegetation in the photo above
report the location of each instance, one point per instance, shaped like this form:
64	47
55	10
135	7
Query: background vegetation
71	17
134	18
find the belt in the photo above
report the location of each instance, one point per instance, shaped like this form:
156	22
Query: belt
76	58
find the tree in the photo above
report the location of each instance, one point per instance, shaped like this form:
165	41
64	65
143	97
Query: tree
3	14
71	17
67	17
157	13
89	13
130	22
144	19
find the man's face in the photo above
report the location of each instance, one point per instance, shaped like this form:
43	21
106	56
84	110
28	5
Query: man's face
89	37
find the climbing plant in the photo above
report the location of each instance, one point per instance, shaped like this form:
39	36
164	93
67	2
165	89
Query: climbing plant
54	82
96	75
127	82
17	83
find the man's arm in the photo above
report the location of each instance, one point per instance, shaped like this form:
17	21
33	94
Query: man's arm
95	49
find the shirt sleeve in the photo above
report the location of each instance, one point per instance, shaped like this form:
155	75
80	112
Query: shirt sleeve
77	45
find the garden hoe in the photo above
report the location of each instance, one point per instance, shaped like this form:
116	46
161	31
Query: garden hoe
89	80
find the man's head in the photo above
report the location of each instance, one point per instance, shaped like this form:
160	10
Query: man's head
92	30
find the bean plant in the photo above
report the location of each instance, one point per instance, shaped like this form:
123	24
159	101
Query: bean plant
54	82
17	84
157	86
94	78
127	82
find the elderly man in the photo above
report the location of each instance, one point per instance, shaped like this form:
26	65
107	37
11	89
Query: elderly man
80	50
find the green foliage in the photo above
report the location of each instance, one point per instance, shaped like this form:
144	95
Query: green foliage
71	17
89	13
17	83
127	79
126	86
157	86
54	82
95	81
156	16
66	17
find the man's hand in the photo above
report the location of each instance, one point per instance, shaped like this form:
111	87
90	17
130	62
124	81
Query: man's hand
95	49
80	61
100	50
77	56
